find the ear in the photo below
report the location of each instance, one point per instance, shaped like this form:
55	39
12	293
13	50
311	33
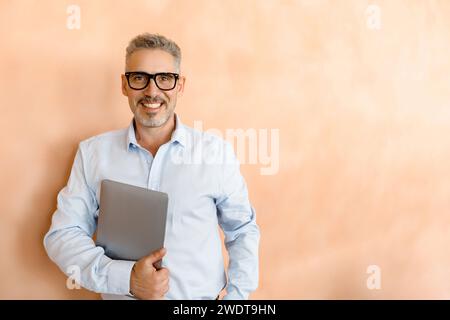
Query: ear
180	85
124	85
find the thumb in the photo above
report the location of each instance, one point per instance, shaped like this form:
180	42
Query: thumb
155	256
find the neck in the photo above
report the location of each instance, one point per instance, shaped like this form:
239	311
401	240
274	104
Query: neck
152	138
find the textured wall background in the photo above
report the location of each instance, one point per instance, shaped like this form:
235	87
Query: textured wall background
363	108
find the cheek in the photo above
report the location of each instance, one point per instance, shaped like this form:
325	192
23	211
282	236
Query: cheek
133	102
172	98
134	99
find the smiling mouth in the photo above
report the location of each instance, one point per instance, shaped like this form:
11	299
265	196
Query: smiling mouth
152	106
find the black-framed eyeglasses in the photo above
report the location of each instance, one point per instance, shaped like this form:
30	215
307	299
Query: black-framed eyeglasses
164	80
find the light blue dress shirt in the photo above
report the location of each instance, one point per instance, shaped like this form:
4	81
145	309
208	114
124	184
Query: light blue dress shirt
200	173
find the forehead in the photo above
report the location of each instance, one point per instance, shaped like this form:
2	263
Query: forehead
151	61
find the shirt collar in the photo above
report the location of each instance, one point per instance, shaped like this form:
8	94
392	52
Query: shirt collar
178	135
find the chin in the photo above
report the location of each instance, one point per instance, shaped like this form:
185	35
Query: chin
153	122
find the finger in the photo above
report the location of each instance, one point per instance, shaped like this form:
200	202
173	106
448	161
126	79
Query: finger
163	272
155	256
166	289
160	278
163	289
165	282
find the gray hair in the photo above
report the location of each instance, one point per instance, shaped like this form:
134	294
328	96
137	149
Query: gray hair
154	41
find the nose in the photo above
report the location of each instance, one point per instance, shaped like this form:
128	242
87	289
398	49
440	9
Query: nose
151	88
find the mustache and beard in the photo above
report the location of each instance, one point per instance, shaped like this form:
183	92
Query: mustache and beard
152	111
151	100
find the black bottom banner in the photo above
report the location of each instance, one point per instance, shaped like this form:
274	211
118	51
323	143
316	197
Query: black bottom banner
251	309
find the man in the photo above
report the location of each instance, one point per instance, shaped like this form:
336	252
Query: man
200	174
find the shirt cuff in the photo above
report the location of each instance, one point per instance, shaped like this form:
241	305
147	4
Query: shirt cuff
235	294
119	275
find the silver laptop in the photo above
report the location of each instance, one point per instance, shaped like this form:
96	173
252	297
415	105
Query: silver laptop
132	220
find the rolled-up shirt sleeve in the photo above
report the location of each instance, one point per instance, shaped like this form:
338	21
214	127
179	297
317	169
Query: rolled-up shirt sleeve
237	219
69	241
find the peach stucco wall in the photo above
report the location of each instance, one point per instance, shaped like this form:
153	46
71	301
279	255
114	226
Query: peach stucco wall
359	91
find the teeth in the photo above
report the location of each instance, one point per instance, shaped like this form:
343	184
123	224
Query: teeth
152	105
